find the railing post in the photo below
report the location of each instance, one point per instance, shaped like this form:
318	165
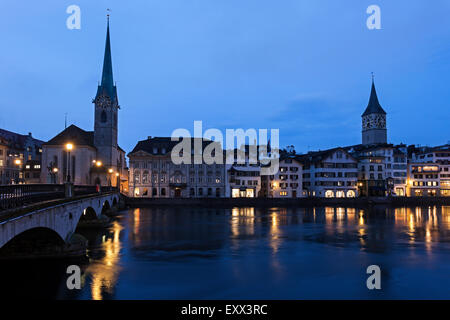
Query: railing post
68	190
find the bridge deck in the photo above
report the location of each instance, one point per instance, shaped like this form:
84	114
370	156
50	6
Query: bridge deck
7	215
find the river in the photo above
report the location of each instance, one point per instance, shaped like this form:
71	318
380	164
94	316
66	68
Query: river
252	253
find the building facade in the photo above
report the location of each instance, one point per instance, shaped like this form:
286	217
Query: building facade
429	167
287	182
331	173
20	158
382	169
153	174
243	172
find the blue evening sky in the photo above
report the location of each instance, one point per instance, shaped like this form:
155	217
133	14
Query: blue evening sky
300	66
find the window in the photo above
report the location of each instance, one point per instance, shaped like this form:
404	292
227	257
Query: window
145	177
351	194
154	192
329	194
103	116
283	193
163	191
137	177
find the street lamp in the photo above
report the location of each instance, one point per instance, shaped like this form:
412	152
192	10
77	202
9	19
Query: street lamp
69	147
110	171
18	163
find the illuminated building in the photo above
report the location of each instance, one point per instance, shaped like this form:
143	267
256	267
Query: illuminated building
440	156
244	177
90	146
330	173
287	182
154	175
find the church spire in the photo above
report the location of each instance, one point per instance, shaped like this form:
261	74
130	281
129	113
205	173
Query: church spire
107	85
374	105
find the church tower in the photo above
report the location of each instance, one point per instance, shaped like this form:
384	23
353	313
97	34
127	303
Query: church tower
106	110
374	121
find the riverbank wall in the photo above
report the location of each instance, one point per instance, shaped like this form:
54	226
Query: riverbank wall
361	202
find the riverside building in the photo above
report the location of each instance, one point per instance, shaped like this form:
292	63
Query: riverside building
330	173
429	171
287	182
154	175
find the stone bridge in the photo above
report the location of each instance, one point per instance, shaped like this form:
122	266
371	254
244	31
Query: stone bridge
53	227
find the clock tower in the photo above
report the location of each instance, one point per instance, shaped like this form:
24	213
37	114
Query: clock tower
374	129
106	110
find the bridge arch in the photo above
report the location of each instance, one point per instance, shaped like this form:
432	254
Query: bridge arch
32	241
105	207
89	213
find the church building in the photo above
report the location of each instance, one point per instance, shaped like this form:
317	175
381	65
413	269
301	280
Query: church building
90	157
374	129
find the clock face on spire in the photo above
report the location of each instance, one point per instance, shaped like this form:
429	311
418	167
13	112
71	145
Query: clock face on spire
374	121
103	101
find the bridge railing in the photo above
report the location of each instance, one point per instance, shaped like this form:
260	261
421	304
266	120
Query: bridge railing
14	196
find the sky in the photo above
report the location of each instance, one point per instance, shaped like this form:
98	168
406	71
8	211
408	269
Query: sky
300	66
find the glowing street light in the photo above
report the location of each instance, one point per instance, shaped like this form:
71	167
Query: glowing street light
18	162
55	170
69	147
98	163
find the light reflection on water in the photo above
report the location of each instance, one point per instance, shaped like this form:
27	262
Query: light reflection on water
275	253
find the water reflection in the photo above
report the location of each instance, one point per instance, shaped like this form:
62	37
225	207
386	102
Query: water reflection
259	253
104	271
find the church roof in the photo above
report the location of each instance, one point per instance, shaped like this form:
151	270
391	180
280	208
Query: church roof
374	105
74	135
107	85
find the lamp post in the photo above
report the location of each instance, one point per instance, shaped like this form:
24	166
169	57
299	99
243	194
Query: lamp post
69	148
68	185
18	163
55	172
110	171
